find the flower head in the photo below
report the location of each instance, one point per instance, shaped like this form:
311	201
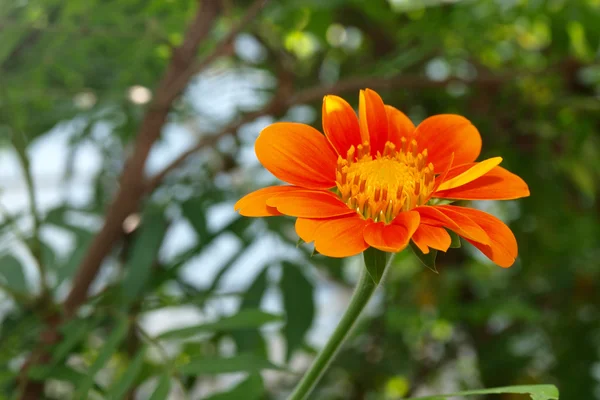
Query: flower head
373	180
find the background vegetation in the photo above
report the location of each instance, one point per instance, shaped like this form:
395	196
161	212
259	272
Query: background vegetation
103	261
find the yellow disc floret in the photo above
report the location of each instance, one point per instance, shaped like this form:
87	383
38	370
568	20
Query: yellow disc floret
379	188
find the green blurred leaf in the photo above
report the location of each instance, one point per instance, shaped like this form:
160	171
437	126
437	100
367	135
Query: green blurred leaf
144	250
241	363
537	392
250	388
194	210
244	319
246	339
127	380
75	333
375	262
58	372
162	389
11	274
454	240
299	305
428	259
113	341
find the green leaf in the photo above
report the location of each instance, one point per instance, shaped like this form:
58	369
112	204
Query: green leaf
143	252
58	372
375	262
537	392
194	210
107	350
454	240
127	380
245	319
428	259
241	363
162	389
246	339
251	388
11	273
77	331
299	305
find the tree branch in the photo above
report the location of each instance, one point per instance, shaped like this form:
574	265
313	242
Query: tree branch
222	48
281	103
131	188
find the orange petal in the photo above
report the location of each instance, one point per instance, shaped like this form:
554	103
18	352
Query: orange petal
431	236
477	170
445	134
309	204
297	154
255	204
306	228
395	236
502	248
340	237
340	124
448	218
399	125
498	184
373	120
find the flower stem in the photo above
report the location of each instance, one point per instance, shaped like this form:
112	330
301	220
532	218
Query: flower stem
375	260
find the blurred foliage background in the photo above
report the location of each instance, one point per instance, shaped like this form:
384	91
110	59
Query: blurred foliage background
192	301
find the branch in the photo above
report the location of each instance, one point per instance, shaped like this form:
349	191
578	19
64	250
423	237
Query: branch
281	103
222	48
131	188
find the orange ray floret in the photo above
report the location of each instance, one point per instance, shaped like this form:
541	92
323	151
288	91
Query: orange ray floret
373	180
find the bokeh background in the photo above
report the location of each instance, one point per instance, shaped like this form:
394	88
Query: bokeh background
192	301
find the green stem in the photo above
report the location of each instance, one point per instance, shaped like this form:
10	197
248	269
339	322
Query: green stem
20	144
376	263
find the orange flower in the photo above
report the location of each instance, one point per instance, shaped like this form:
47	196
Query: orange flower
373	181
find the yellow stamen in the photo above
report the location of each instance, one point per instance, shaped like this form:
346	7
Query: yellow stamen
381	188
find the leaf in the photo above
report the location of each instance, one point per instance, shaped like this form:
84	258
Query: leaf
241	363
58	372
77	331
537	392
299	305
428	259
162	389
375	262
251	388
11	273
127	380
251	340
107	350
454	240
194	210
143	252
245	319
68	268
